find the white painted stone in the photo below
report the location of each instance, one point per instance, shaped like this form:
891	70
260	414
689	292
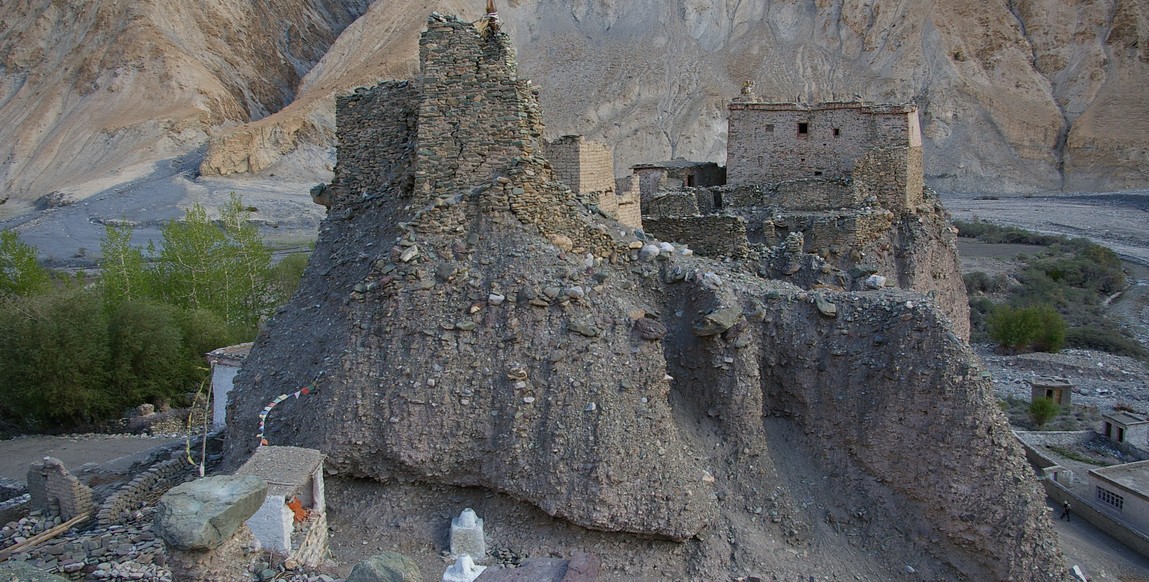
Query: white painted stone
463	570
467	535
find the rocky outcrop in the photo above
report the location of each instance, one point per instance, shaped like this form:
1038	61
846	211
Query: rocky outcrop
452	342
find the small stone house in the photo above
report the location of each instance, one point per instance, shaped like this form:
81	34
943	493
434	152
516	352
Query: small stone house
1122	491
1059	391
1122	427
292	521
225	364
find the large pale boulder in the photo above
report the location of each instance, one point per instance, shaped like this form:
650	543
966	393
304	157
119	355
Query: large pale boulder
203	514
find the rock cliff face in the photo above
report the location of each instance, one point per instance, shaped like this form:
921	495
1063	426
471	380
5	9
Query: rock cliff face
1011	99
467	321
91	94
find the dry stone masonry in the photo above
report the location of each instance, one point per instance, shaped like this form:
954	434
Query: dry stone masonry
470	321
847	175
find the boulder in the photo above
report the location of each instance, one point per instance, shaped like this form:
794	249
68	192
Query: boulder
203	514
717	321
386	567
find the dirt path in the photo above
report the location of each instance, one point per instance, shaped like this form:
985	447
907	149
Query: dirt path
114	452
1102	558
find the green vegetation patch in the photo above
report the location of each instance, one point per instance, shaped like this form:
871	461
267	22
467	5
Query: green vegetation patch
77	352
1056	298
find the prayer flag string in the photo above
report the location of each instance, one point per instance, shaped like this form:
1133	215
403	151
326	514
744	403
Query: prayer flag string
309	389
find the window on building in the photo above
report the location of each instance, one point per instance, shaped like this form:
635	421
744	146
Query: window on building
803	128
817	172
1110	498
837	132
717	200
769	128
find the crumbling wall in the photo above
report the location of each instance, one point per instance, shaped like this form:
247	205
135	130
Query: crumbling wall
807	194
672	205
472	120
584	165
376	130
891	177
55	490
144	488
712	235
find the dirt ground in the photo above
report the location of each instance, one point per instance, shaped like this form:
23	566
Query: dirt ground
111	452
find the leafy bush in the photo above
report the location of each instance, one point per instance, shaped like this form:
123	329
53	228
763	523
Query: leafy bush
148	360
20	273
1039	327
1051	329
1042	410
1105	339
54	352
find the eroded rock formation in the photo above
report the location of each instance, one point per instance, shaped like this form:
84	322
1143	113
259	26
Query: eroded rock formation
645	392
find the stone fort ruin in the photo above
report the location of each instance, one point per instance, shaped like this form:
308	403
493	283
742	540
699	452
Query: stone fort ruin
841	181
472	320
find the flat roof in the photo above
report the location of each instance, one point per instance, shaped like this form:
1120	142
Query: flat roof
1124	418
672	164
1132	476
231	354
1050	383
863	106
285	469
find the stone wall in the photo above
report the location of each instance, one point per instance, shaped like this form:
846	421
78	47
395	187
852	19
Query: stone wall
473	116
891	176
143	489
376	130
55	490
711	235
834	236
776	142
672	205
800	195
629	208
584	165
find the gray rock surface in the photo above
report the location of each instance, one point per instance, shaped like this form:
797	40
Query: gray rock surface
203	514
23	572
386	567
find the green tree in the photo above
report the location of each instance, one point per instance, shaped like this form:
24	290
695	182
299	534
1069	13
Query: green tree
1042	410
20	273
1051	330
123	269
147	360
223	268
1013	327
54	354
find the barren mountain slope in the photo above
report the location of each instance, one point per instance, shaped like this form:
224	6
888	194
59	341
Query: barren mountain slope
91	94
1007	97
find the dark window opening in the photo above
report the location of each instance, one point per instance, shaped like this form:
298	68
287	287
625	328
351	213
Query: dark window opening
690	180
1120	435
837	132
803	128
770	128
717	200
817	172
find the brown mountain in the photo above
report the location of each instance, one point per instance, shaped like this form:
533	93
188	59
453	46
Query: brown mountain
1019	96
